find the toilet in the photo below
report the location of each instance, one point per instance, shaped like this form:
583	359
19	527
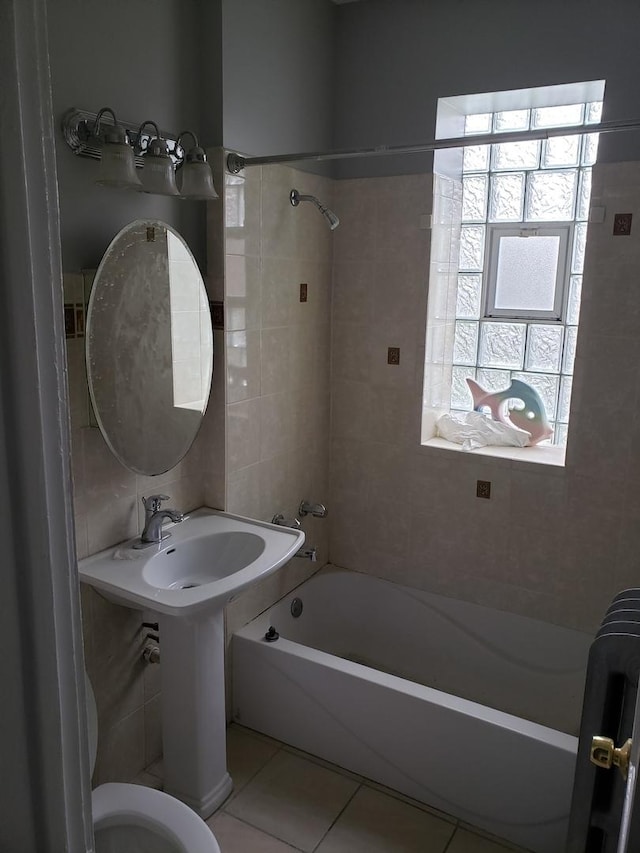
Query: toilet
134	819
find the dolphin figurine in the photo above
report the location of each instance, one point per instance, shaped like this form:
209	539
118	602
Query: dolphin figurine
532	419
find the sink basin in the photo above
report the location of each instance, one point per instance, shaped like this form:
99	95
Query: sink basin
202	560
209	557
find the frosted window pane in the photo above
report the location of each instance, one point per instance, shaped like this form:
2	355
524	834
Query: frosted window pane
476	158
564	399
502	345
570	338
584	194
590	149
469	296
471	247
478	123
573	305
544	348
579	246
465	345
526	274
561	151
516	155
474	198
546	386
506	198
511	120
551	196
594	112
558	116
460	395
493	380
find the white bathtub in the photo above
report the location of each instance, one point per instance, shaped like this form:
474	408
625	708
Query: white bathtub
347	681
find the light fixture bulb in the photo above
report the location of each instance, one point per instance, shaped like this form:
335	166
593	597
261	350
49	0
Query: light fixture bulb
158	173
196	177
117	161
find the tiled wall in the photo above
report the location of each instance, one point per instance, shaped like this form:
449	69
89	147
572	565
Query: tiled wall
551	543
278	360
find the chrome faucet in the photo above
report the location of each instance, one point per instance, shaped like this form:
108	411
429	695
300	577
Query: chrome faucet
154	517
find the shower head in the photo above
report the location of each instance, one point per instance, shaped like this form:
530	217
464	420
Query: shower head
295	198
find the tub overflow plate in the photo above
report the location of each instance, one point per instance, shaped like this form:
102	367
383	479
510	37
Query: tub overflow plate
296	607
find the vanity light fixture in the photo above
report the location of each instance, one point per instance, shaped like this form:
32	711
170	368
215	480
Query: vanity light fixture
122	149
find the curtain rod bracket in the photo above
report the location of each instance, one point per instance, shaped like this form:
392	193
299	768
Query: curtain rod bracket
235	163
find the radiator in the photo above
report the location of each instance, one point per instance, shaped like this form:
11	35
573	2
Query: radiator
603	818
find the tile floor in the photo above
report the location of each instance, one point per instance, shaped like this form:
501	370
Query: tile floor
285	801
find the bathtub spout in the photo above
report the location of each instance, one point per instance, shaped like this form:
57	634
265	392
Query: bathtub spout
307	554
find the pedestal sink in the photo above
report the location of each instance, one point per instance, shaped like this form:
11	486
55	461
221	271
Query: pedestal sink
187	579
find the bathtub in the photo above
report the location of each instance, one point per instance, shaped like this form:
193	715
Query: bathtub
470	710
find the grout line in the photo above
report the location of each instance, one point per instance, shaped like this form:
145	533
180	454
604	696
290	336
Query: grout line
450	841
339	815
260	830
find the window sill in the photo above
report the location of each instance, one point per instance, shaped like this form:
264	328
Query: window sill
539	455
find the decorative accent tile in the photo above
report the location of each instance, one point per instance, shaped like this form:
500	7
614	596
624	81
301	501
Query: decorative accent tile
483	489
622	224
74	319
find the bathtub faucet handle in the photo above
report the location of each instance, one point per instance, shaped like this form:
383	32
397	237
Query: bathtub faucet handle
285	522
317	510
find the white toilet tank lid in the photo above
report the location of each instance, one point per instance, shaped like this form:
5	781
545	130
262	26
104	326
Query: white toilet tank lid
92	720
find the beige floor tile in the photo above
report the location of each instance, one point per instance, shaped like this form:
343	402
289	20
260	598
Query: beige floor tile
293	800
468	842
233	836
376	823
246	755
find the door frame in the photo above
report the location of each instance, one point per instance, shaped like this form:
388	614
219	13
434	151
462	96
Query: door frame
45	799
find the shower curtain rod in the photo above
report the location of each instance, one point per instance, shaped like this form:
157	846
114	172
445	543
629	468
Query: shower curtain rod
236	162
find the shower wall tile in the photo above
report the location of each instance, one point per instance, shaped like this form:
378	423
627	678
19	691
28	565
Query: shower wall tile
243	307
244	364
277	423
551	543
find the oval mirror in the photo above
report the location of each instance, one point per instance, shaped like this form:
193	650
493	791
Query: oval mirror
149	347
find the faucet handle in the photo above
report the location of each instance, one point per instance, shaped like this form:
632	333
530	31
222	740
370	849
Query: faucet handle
154	502
307	508
286	522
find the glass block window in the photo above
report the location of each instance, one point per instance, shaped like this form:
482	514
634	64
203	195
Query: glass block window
524	224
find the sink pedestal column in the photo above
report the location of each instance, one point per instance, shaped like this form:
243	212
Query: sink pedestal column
193	711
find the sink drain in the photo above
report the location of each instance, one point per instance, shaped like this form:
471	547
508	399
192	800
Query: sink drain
189	585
